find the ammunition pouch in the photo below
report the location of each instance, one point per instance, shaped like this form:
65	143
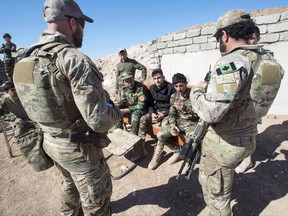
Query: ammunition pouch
31	146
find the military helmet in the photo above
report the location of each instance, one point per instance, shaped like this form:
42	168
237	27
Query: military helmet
6	35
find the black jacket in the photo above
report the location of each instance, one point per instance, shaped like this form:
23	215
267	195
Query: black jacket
160	98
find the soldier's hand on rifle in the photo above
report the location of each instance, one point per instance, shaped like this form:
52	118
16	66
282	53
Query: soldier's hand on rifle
202	84
160	117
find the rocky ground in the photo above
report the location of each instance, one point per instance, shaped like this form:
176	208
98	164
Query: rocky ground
260	191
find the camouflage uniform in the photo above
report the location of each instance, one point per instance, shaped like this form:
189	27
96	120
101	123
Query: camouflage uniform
159	103
9	61
136	100
7	104
128	65
241	91
183	119
74	97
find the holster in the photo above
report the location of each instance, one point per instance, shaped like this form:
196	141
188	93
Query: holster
80	137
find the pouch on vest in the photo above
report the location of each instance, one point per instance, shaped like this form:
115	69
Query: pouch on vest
30	144
265	83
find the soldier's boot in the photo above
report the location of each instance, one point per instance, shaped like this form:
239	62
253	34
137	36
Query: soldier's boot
175	158
244	165
156	155
139	151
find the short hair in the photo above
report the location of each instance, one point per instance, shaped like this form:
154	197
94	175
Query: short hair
257	31
8	85
156	71
178	78
241	30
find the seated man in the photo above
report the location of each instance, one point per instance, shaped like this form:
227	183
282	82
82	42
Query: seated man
181	119
159	102
11	103
133	102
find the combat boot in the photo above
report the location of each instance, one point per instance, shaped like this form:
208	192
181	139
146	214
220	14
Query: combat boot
174	158
156	155
139	151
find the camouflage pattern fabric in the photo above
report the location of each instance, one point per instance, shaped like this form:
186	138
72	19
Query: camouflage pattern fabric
75	92
9	61
128	65
89	183
136	100
183	119
146	120
242	88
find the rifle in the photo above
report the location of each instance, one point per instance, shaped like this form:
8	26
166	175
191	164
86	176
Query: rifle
191	150
208	75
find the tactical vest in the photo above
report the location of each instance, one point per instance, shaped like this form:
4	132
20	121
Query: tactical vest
266	77
45	92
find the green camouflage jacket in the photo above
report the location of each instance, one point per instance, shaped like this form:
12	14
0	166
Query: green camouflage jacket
183	118
6	49
129	65
15	107
135	99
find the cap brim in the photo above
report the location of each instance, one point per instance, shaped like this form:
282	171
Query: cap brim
88	19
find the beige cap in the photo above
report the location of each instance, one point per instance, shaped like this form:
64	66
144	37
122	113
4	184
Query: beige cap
126	75
122	50
230	18
54	10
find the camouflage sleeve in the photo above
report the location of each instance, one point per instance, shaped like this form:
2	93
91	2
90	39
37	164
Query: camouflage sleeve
2	107
87	90
142	68
212	103
142	94
123	101
117	74
172	111
14	47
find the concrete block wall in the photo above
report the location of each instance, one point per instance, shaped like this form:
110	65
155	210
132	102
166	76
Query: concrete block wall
273	29
193	50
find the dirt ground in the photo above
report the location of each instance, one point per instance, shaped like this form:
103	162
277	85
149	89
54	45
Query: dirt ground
260	191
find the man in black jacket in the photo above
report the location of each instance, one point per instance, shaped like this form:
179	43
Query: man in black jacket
159	105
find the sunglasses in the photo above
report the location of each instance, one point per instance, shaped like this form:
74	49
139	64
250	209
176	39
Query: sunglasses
81	21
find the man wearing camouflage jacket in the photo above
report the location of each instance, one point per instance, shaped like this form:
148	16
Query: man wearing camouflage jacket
182	118
71	107
243	85
134	104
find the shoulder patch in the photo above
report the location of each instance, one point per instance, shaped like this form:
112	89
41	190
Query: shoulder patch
226	68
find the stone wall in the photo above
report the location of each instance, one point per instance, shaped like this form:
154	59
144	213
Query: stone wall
193	50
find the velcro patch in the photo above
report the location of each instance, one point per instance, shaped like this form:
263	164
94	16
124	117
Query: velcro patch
226	68
23	72
225	78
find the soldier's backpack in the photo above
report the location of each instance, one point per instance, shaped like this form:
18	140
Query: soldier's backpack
31	142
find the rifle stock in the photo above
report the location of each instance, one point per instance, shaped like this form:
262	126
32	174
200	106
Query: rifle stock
191	151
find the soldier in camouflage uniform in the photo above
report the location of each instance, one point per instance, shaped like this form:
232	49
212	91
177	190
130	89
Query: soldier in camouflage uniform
134	104
243	85
68	101
10	102
159	103
182	118
127	64
9	61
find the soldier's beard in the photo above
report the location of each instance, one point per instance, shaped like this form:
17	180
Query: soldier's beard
78	37
222	46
